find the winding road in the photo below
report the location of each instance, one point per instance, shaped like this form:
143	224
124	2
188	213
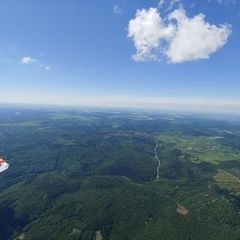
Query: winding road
159	161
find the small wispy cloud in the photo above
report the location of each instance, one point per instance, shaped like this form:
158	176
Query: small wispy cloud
48	68
31	60
27	60
225	2
117	10
161	3
169	5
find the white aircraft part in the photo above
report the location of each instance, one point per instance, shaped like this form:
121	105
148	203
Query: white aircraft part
4	167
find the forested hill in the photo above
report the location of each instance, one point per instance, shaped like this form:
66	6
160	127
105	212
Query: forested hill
92	174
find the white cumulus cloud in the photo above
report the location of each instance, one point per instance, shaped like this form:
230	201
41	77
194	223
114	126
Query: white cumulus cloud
177	37
148	30
194	37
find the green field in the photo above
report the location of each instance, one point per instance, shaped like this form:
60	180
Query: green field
201	148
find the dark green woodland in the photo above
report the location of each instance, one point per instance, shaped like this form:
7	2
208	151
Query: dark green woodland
89	174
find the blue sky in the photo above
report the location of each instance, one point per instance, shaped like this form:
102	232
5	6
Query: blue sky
81	52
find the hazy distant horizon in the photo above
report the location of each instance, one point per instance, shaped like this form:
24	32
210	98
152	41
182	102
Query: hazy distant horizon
179	105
